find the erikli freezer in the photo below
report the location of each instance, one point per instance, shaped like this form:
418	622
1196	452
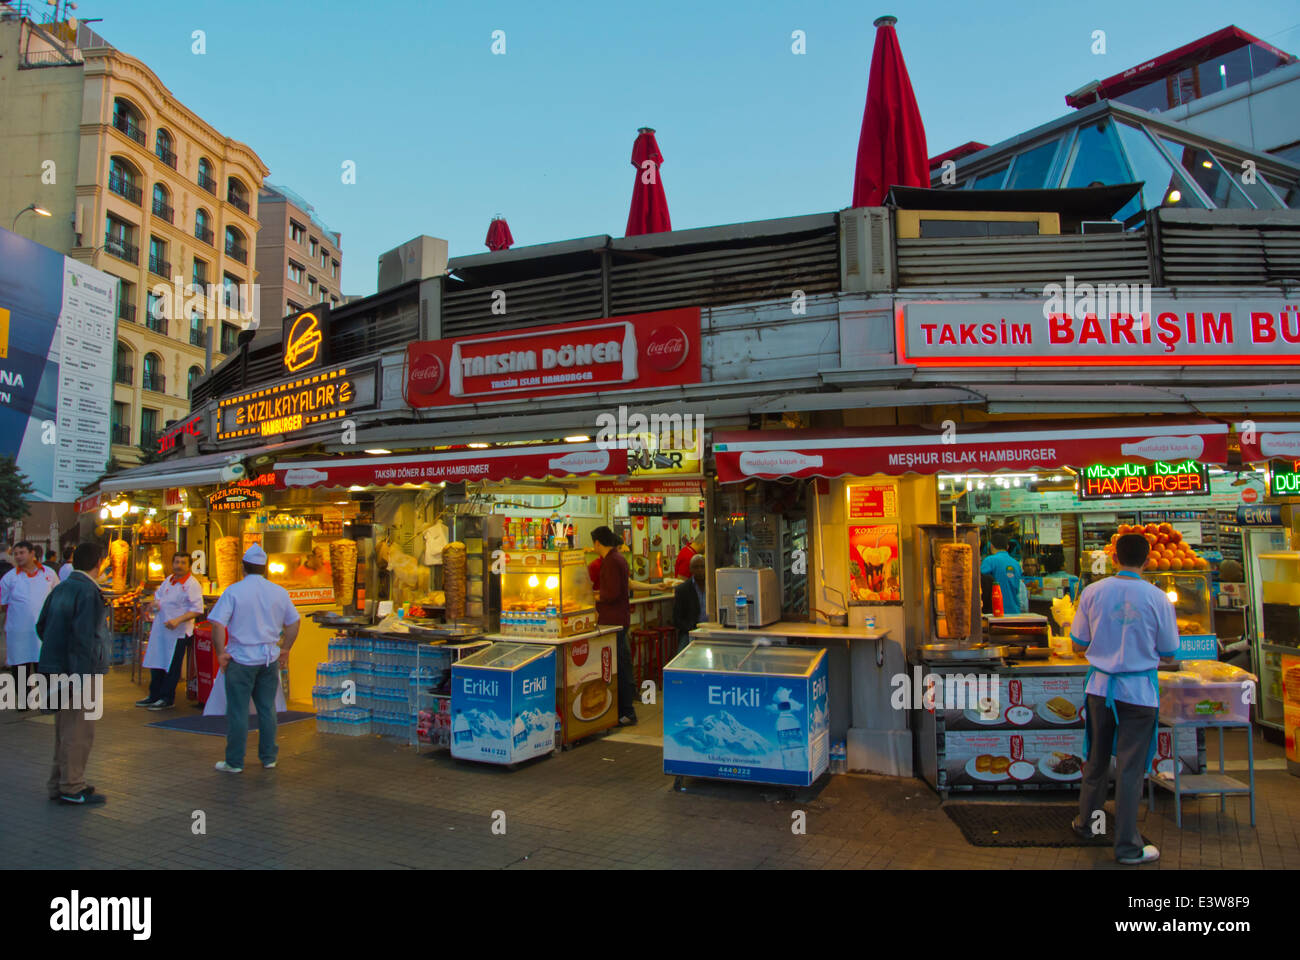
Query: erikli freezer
503	703
738	712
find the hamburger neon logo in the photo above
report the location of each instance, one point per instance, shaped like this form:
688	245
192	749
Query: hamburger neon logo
302	347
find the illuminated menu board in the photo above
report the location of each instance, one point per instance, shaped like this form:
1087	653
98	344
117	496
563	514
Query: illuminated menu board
1284	478
315	400
1117	481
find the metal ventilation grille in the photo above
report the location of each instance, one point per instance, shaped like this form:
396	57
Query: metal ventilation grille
1232	255
1023	261
721	276
370	334
528	303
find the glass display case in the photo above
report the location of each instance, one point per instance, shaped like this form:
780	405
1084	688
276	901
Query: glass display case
741	712
299	564
1274	616
547	593
1190	593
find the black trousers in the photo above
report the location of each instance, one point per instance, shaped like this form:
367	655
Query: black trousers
626	676
1130	741
162	683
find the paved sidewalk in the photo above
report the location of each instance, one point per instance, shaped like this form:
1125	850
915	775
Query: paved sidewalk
339	802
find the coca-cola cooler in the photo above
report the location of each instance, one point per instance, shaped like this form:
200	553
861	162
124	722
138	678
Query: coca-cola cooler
201	663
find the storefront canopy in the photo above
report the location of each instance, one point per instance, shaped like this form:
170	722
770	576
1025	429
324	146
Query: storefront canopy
532	462
966	448
1268	439
209	468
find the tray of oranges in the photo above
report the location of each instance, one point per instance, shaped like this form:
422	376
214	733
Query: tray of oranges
1169	552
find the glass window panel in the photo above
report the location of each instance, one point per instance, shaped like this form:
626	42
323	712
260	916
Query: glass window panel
1262	61
1029	170
1184	86
1162	185
1209	176
990	181
1224	71
1153	97
1097	161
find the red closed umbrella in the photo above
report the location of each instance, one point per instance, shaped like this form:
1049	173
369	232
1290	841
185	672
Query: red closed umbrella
649	213
891	148
498	235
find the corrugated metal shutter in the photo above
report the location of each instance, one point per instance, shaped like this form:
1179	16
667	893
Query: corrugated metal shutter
528	303
1205	253
1023	261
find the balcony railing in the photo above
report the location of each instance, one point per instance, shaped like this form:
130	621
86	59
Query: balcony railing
204	234
122	434
166	156
207	183
238	202
157	324
123	188
196	337
237	251
155	382
122	249
159	266
127	126
125	373
162	210
229	344
126	311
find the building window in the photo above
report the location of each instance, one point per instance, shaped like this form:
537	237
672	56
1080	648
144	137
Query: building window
162	148
153	373
121	423
295	273
334	269
127	119
190	380
126	301
124	180
196	330
313	247
125	372
298	232
118	240
324	259
237	194
203	226
205	178
311	285
291	308
155	311
235	246
200	275
229	338
334	301
158	257
148	428
161	207
230	291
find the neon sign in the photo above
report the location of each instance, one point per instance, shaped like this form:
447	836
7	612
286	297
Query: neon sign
1187	478
303	342
1284	478
287	407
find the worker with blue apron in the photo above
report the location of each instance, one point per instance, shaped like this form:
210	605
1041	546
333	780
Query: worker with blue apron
1125	627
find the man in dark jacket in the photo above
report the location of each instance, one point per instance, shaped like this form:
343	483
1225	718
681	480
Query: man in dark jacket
690	605
75	641
613	608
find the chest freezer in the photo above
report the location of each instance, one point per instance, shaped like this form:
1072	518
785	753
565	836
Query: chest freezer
503	704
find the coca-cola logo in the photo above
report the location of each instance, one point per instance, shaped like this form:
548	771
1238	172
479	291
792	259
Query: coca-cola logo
579	652
1249	494
426	373
667	348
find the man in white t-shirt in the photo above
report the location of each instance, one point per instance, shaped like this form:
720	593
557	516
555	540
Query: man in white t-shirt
65	571
1126	628
247	623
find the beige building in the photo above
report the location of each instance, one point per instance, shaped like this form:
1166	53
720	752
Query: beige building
141	187
299	258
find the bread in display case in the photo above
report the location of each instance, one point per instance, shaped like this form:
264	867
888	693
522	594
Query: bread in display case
1189	591
535	581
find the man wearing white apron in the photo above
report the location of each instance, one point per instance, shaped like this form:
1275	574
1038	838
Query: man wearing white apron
22	594
247	622
177	603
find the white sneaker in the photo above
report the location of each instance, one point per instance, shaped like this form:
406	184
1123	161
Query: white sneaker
269	766
227	768
1150	854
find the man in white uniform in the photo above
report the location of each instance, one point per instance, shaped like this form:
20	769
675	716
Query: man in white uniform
1126	628
22	594
247	622
177	603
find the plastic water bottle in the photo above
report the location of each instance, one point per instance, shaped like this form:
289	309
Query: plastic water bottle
789	737
520	732
743	557
742	610
460	730
552	610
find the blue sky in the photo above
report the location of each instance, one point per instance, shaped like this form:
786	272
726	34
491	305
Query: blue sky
445	134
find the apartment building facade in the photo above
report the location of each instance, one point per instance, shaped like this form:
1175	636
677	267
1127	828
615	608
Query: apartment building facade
299	258
137	185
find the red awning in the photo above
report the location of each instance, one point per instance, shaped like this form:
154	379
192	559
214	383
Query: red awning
535	462
969	448
1269	439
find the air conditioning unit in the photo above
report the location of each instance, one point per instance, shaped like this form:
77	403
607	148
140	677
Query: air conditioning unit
417	259
866	250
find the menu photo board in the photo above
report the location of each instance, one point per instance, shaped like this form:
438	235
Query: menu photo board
1284	478
875	500
1157	478
874	567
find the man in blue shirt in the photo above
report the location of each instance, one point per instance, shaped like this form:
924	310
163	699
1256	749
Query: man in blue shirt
1126	628
1005	569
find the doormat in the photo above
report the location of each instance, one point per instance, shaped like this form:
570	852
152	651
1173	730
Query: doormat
1021	825
216	726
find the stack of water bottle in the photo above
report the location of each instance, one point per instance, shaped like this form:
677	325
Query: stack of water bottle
364	688
741	600
532	623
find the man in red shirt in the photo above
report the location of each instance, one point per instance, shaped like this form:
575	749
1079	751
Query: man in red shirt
683	565
613	609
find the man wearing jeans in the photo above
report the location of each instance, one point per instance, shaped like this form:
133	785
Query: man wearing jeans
1126	628
246	625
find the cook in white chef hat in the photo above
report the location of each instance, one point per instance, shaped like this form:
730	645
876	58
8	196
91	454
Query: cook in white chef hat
255	555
